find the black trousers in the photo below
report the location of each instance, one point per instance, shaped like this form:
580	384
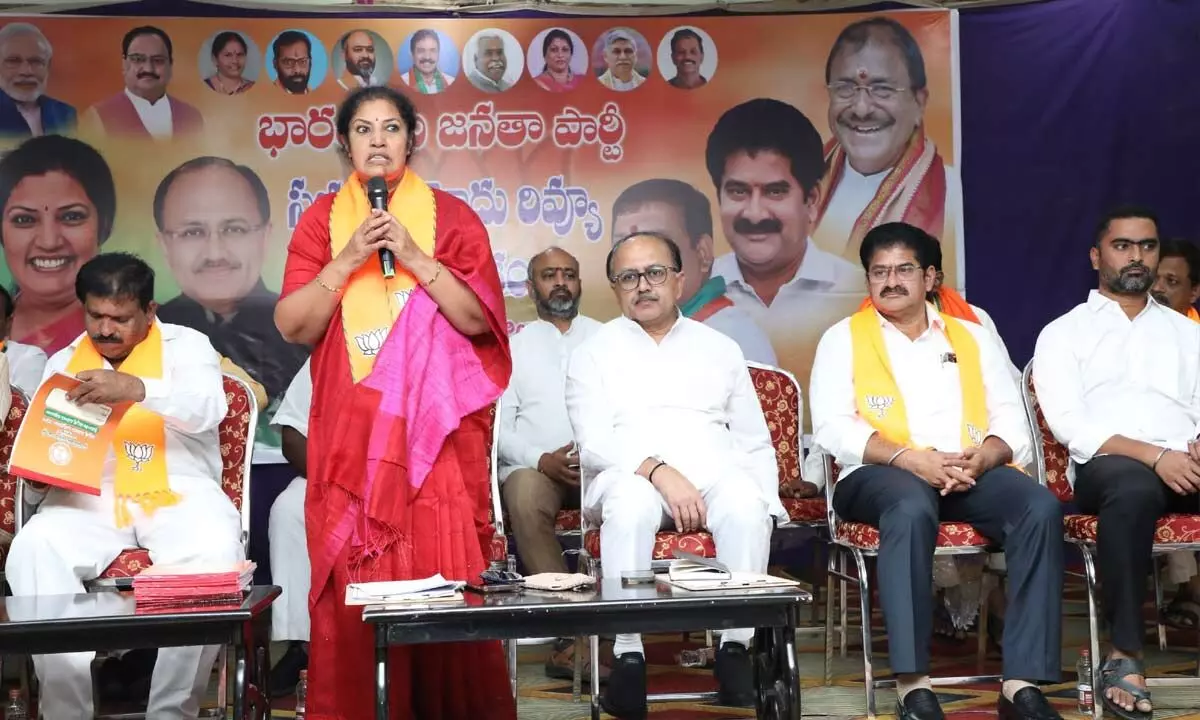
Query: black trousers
1007	506
1129	498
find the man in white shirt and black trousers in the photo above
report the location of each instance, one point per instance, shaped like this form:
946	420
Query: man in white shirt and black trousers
539	469
921	413
1118	380
671	434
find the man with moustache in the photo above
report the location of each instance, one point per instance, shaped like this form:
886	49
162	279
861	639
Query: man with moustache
764	158
172	504
681	212
880	165
426	77
1118	380
620	54
214	220
358	52
539	468
669	440
919	410
687	54
144	109
25	109
293	61
490	64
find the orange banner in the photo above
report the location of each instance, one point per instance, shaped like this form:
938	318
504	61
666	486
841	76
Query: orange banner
64	444
546	127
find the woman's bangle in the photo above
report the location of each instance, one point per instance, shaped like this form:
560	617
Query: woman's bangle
1160	457
321	282
897	454
436	274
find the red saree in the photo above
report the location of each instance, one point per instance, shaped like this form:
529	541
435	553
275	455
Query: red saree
386	528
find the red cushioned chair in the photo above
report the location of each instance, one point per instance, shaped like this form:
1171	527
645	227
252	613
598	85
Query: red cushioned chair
780	396
858	542
236	438
10	509
1171	533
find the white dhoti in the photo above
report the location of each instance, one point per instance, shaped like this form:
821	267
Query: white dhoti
631	511
1181	566
290	568
73	538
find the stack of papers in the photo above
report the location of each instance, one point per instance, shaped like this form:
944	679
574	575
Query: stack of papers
192	585
433	589
687	566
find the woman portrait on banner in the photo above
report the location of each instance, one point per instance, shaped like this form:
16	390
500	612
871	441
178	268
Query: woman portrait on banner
229	51
390	498
58	202
557	50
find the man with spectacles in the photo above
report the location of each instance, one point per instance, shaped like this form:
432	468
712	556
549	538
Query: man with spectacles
214	223
681	212
539	465
25	109
1118	380
292	51
671	434
920	412
880	165
143	109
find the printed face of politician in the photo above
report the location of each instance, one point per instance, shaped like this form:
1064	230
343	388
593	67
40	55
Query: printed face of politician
360	54
620	56
666	219
50	228
147	67
24	67
293	65
490	59
231	60
425	55
687	56
765	214
874	128
214	237
558	56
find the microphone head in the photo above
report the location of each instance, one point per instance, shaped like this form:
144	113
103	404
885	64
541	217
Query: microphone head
377	191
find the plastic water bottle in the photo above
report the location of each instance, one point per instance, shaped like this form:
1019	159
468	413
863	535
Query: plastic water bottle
1083	682
15	709
301	694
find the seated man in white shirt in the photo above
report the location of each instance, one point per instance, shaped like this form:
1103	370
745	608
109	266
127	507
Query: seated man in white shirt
25	362
171	504
1118	380
288	543
539	468
919	410
670	434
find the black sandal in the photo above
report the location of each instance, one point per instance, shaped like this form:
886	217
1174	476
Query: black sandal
1112	675
1182	614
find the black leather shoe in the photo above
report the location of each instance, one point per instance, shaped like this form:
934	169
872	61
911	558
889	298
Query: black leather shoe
286	673
1027	704
735	676
920	704
625	695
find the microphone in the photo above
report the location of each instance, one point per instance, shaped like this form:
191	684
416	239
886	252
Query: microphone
377	195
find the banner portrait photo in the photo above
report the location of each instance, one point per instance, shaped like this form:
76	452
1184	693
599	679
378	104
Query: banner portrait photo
765	147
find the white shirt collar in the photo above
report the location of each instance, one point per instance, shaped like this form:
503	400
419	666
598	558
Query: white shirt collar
1097	302
816	267
141	102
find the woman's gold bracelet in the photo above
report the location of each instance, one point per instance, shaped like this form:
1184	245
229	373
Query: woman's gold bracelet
321	282
436	274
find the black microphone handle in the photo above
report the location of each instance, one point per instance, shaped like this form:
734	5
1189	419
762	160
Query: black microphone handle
388	260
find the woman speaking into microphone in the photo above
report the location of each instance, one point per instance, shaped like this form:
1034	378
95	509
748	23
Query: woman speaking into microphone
404	370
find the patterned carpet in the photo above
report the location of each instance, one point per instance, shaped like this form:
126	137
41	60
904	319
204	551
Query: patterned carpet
545	699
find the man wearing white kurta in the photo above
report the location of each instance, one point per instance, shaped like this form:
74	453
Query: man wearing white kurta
74	536
288	543
25	362
671	434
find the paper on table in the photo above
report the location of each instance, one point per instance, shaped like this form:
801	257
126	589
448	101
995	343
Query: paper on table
687	566
430	589
736	581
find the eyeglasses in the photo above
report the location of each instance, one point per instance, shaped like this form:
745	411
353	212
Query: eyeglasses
155	60
202	233
294	63
849	91
880	273
630	279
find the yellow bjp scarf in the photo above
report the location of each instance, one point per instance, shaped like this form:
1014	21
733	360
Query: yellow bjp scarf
371	303
878	398
140	442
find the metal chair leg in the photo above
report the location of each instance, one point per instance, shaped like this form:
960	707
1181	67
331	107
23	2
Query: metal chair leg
829	568
1158	602
843	601
864	602
1089	567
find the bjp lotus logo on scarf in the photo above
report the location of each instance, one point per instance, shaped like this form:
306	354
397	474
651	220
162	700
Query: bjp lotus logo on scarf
371	341
138	453
402	297
879	404
975	435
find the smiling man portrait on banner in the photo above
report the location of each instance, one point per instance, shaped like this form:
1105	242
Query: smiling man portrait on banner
389	498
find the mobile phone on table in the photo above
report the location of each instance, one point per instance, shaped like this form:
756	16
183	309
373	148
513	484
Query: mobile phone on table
486	589
637	577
